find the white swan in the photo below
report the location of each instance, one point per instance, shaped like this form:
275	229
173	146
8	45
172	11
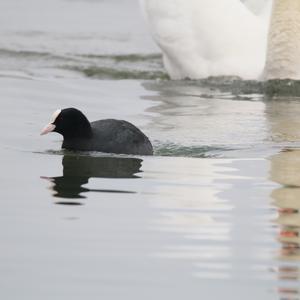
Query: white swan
201	38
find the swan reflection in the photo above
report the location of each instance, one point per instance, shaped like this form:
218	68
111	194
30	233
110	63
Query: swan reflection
77	170
285	171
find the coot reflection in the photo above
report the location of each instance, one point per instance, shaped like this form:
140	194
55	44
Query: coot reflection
77	170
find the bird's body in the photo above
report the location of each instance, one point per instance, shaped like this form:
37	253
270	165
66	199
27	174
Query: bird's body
110	135
201	38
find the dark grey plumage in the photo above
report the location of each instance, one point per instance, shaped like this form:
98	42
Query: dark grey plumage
110	135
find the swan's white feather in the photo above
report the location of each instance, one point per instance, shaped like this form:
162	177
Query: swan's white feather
201	38
258	7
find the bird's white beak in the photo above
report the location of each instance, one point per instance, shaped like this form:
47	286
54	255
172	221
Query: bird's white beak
49	128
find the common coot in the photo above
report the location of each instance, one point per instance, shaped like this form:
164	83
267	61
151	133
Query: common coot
109	135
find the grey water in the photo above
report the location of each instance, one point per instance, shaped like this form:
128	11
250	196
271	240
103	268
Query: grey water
214	214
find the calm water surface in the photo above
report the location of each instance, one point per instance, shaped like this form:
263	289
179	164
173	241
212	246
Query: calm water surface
213	214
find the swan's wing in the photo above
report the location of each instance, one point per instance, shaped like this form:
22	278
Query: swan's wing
171	27
201	38
258	7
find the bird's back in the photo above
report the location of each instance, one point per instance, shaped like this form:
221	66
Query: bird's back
118	136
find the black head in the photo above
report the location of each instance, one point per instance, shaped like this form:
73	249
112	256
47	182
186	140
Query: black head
69	122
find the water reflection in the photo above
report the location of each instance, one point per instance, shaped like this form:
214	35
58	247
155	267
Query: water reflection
187	119
285	168
283	118
77	170
285	171
189	207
